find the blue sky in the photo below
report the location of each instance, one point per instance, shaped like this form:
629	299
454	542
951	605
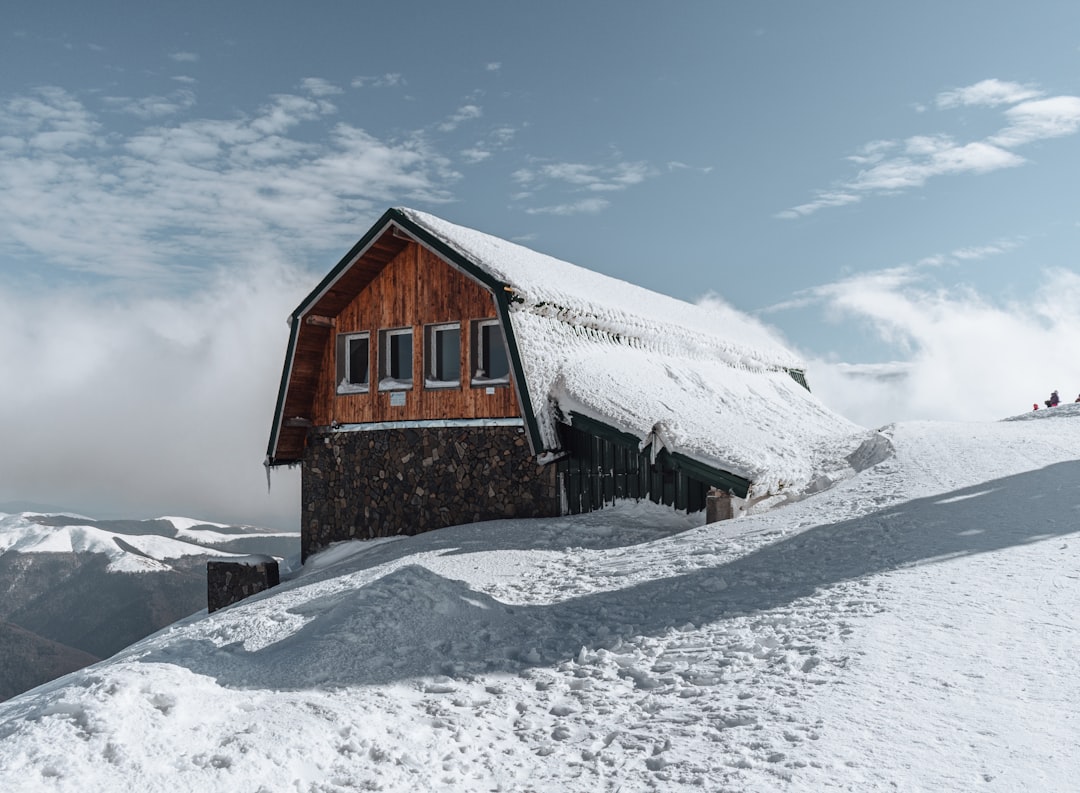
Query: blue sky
891	186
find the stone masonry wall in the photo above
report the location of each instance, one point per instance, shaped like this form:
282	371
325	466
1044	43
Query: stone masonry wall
380	483
229	582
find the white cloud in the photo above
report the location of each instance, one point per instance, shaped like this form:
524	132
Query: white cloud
495	140
890	279
317	86
184	57
523	176
150	406
149	107
475	155
891	166
502	136
930	158
1039	120
494	66
823	200
572	173
463	114
286	111
585	206
173	198
872	152
581	176
388	80
977	252
965	357
989	93
50	119
577	178
675	165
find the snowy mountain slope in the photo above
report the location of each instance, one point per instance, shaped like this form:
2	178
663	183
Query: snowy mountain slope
912	628
136	546
94	587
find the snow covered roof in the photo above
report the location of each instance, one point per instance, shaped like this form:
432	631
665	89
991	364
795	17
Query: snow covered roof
702	381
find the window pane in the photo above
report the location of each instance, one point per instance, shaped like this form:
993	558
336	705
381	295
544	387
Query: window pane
358	361
400	345
448	354
493	353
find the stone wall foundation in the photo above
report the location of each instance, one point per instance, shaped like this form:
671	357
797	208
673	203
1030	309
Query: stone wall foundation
387	482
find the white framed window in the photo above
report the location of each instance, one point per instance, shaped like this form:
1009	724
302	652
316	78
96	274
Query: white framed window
442	355
353	363
395	359
490	363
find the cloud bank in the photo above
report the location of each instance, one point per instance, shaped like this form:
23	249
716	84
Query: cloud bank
963	357
141	407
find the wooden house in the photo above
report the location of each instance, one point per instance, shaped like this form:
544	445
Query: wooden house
438	375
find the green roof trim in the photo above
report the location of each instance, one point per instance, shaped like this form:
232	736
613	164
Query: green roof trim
283	387
737	485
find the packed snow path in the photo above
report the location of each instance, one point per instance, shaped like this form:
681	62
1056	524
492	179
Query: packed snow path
913	628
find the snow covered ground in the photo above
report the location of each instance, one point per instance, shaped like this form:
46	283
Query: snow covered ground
913	628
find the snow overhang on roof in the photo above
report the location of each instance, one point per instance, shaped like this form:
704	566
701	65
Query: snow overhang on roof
716	385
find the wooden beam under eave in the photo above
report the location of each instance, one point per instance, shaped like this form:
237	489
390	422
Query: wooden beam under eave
320	321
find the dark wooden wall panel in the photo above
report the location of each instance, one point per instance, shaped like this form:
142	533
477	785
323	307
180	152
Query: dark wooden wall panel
416	288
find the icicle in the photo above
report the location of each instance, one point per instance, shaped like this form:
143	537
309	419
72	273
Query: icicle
657	439
266	465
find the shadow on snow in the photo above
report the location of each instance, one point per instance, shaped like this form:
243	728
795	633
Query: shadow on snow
412	622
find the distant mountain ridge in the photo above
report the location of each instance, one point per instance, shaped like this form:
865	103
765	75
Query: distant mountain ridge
74	590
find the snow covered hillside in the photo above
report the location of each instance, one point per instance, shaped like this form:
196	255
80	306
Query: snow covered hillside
74	590
136	546
912	628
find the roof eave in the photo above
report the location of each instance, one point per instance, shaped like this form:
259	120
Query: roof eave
283	388
710	474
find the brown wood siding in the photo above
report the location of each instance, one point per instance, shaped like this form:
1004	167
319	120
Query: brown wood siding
414	289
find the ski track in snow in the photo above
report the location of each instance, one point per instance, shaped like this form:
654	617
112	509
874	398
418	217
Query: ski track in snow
912	628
